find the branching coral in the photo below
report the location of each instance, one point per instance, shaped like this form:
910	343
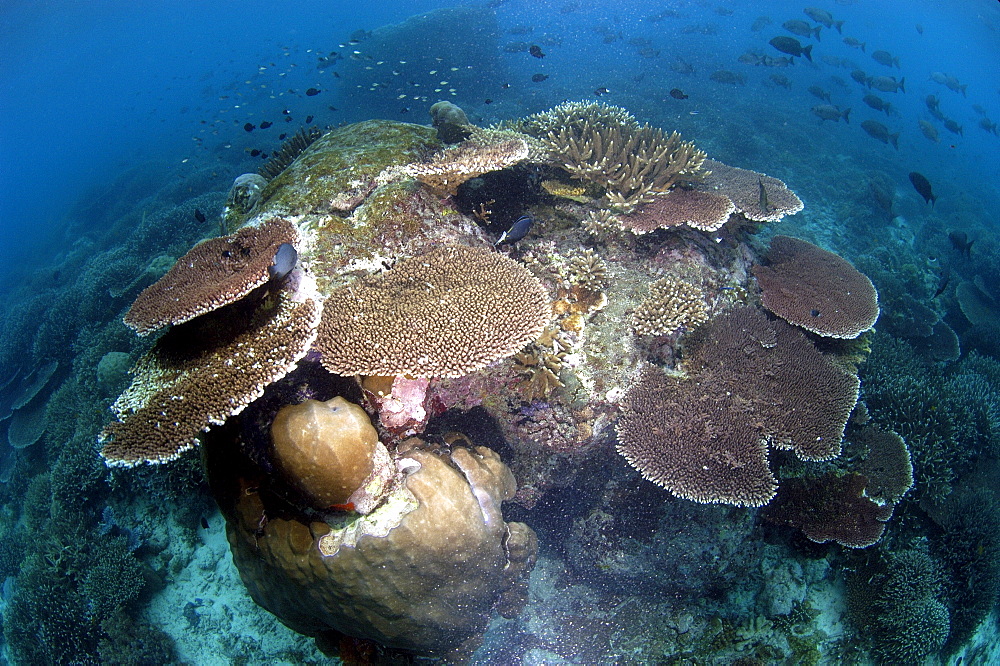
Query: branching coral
588	271
672	304
605	145
540	371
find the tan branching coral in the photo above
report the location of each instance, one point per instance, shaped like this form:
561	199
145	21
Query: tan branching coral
810	287
214	273
672	304
201	373
482	153
605	145
602	224
587	270
445	313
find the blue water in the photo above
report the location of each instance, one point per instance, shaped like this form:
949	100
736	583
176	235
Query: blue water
112	110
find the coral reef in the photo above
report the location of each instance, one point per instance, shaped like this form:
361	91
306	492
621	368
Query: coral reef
472	158
450	121
212	274
896	598
757	197
749	382
430	316
201	373
606	145
421	571
807	286
830	508
289	151
672	304
698	209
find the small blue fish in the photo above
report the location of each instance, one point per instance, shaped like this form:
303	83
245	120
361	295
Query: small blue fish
518	231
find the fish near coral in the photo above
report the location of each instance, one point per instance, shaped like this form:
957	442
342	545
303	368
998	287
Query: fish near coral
923	187
517	231
960	241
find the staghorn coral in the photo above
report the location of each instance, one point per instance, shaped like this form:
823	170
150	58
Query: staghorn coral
705	211
807	286
212	274
290	149
749	382
482	153
743	187
201	373
894	598
445	313
830	508
605	145
672	304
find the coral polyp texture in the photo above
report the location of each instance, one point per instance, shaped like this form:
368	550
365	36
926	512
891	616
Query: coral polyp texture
672	304
886	464
702	210
758	197
214	273
201	373
445	313
606	146
830	508
749	382
817	290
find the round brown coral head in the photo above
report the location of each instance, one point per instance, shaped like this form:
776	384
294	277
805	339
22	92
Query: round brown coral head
807	286
445	313
214	273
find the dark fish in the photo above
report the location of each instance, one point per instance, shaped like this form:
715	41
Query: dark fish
855	44
282	136
885	58
265	124
781	80
204	522
725	76
929	130
944	282
762	197
538	78
255	152
876	102
961	242
953	126
920	29
249	127
312	92
517	231
831	112
601	91
860	77
932	102
923	187
792	47
264	156
286	112
801	28
824	17
536	51
759	23
487	101
816	91
405	109
677	93
988	125
880	132
309	119
198	215
887	84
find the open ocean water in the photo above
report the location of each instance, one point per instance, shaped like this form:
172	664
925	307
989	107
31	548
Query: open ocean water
794	485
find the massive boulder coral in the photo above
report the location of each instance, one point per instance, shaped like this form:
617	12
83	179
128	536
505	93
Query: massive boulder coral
421	571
